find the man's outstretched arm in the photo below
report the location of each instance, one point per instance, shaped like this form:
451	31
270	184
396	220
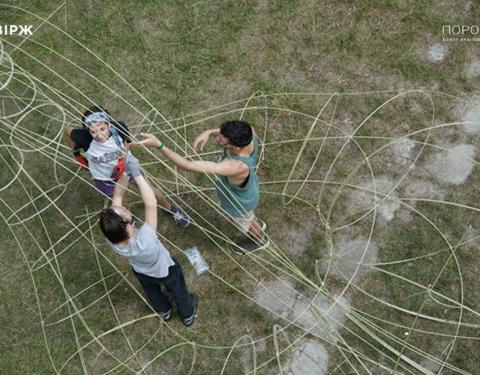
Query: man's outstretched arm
227	167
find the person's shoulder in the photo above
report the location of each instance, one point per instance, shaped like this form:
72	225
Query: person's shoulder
146	230
234	166
145	237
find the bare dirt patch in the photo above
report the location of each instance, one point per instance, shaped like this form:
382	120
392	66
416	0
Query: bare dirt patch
423	189
452	166
296	238
472	117
417	188
436	53
469	112
365	198
352	256
320	315
308	358
472	70
402	150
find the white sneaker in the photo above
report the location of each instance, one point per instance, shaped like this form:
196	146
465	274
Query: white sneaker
263	225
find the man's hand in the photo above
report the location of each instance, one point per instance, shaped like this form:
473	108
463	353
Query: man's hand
132	166
200	142
149	141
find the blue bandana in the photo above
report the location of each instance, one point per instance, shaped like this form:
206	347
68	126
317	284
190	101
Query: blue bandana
97	117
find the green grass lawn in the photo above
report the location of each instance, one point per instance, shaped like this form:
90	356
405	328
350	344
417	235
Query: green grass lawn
177	68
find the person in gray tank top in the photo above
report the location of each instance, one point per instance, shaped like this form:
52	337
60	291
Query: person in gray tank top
236	181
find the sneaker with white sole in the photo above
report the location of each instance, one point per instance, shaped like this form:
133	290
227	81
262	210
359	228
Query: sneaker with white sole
263	225
179	217
189	321
166	316
249	244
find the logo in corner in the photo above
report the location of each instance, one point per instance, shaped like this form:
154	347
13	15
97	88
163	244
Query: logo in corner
460	33
21	30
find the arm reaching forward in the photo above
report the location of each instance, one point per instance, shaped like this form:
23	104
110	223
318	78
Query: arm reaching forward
227	167
149	200
119	192
146	192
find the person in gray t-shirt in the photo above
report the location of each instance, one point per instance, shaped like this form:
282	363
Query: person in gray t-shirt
152	264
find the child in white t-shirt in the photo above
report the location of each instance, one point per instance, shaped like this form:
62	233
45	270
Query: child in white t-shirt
103	142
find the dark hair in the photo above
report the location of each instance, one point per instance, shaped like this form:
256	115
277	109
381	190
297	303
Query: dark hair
94	109
239	133
113	226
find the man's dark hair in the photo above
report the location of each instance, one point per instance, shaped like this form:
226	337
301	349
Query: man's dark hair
113	226
239	133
